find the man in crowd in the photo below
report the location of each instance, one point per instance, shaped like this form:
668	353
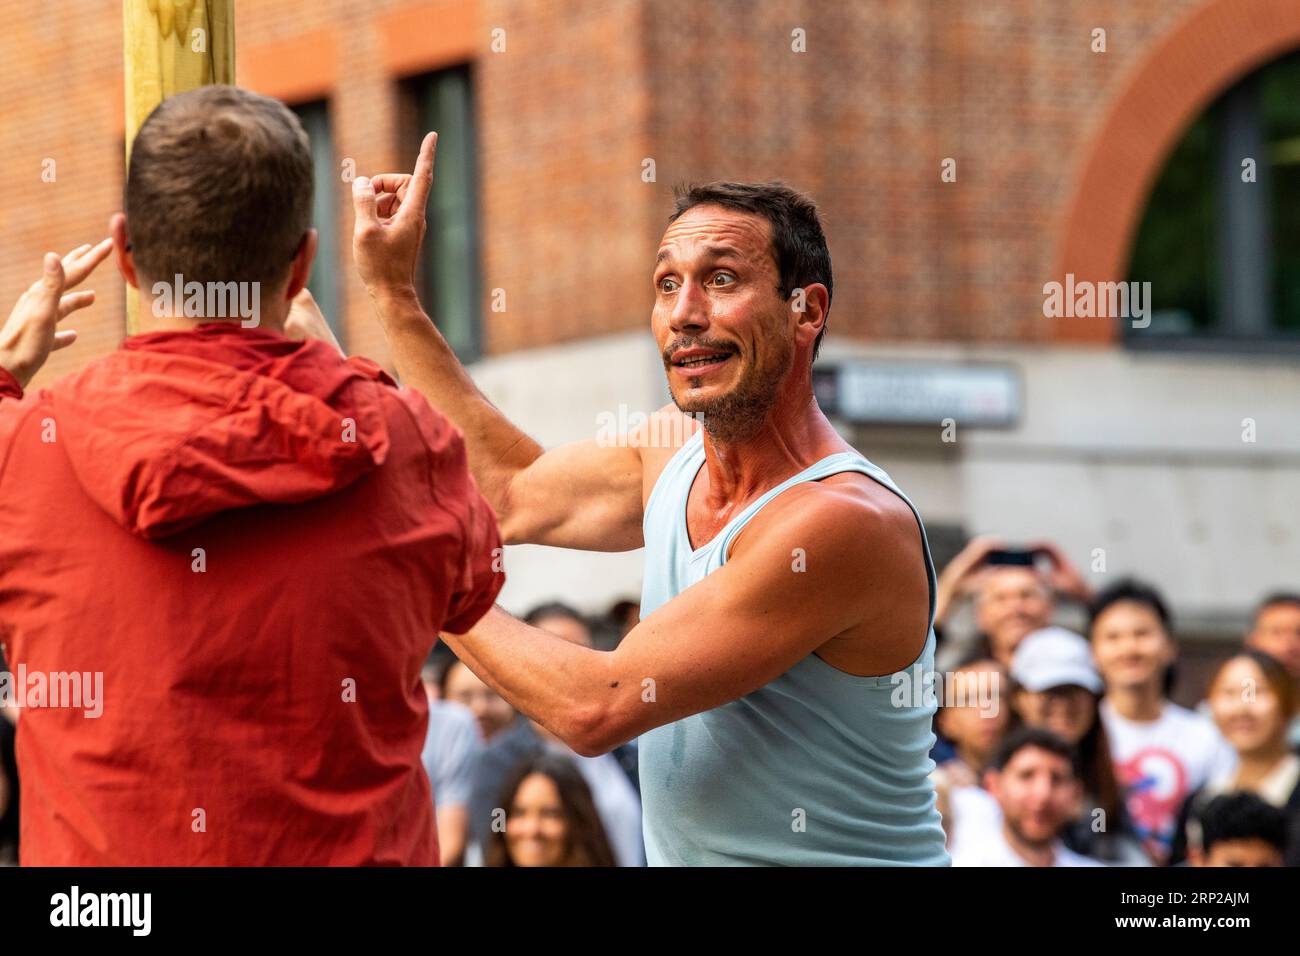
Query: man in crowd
1014	592
1035	779
1276	632
452	749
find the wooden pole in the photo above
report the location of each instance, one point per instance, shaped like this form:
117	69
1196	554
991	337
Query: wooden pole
172	46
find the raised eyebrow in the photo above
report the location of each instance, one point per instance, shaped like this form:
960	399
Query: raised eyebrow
714	252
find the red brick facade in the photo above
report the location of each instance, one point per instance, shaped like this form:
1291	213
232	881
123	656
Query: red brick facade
1055	144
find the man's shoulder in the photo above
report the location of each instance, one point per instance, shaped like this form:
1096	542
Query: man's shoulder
849	510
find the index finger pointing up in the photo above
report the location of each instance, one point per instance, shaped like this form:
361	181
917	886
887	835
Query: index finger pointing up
417	198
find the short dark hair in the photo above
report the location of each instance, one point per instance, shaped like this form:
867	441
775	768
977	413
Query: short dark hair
219	188
1241	816
1138	592
1275	599
798	243
1040	738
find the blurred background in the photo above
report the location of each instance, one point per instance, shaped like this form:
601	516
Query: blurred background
964	156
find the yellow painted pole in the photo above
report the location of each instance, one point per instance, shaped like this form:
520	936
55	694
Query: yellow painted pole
172	46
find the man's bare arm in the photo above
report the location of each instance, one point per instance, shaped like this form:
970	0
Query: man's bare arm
731	633
585	495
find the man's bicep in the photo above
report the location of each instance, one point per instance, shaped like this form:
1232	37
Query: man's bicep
586	495
743	625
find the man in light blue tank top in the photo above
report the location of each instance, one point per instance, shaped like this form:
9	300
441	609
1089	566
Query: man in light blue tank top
778	677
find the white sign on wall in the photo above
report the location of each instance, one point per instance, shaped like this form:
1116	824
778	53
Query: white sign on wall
915	393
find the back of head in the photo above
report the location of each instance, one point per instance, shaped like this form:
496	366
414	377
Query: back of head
219	189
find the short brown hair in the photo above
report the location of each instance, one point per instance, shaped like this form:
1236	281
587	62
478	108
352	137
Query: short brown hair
219	188
798	243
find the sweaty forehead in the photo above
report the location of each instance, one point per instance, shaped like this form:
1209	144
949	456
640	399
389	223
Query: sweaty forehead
707	230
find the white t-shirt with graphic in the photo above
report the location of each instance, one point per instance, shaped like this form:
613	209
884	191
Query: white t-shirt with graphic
1159	762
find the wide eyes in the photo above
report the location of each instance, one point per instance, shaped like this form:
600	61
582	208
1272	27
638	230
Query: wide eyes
719	280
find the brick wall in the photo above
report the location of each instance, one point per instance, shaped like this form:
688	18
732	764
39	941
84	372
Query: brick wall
586	90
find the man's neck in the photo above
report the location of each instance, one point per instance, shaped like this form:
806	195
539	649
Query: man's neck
148	322
1035	854
793	436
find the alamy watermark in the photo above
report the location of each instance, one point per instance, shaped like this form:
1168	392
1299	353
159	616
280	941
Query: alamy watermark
209	300
1083	299
629	429
74	690
916	687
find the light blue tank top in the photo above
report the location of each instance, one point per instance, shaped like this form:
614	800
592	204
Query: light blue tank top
818	767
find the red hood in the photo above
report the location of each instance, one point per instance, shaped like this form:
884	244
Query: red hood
178	426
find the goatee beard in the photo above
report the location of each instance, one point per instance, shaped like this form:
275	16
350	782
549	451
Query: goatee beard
740	414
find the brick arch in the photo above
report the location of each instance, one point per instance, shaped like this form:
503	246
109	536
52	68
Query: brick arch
1205	53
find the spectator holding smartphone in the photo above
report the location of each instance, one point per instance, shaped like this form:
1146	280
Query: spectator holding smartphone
1014	591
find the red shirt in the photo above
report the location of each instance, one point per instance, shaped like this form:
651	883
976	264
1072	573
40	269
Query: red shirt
256	543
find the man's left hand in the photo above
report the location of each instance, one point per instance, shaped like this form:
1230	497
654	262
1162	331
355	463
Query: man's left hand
31	334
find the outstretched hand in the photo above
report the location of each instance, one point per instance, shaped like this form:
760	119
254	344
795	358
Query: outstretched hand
31	333
390	224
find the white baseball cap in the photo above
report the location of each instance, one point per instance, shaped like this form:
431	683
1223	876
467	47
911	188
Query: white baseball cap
1054	657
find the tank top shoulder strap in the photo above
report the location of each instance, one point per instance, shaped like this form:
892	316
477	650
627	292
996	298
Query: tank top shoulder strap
835	464
680	469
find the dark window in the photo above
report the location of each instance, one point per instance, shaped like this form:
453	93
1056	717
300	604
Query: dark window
323	282
449	272
1222	253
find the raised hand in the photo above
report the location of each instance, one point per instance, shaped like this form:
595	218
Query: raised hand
31	333
390	224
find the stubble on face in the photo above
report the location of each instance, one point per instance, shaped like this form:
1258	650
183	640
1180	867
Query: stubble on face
739	413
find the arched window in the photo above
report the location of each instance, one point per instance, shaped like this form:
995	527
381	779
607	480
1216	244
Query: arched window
1220	238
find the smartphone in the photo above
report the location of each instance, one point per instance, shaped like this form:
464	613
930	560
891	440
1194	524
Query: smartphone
1014	557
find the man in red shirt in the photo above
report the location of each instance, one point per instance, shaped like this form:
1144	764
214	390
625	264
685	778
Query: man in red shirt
224	553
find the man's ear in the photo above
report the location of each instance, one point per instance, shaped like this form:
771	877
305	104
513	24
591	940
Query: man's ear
300	269
811	303
122	249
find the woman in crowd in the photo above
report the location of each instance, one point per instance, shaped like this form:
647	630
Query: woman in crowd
971	720
1055	686
1253	699
550	820
970	723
